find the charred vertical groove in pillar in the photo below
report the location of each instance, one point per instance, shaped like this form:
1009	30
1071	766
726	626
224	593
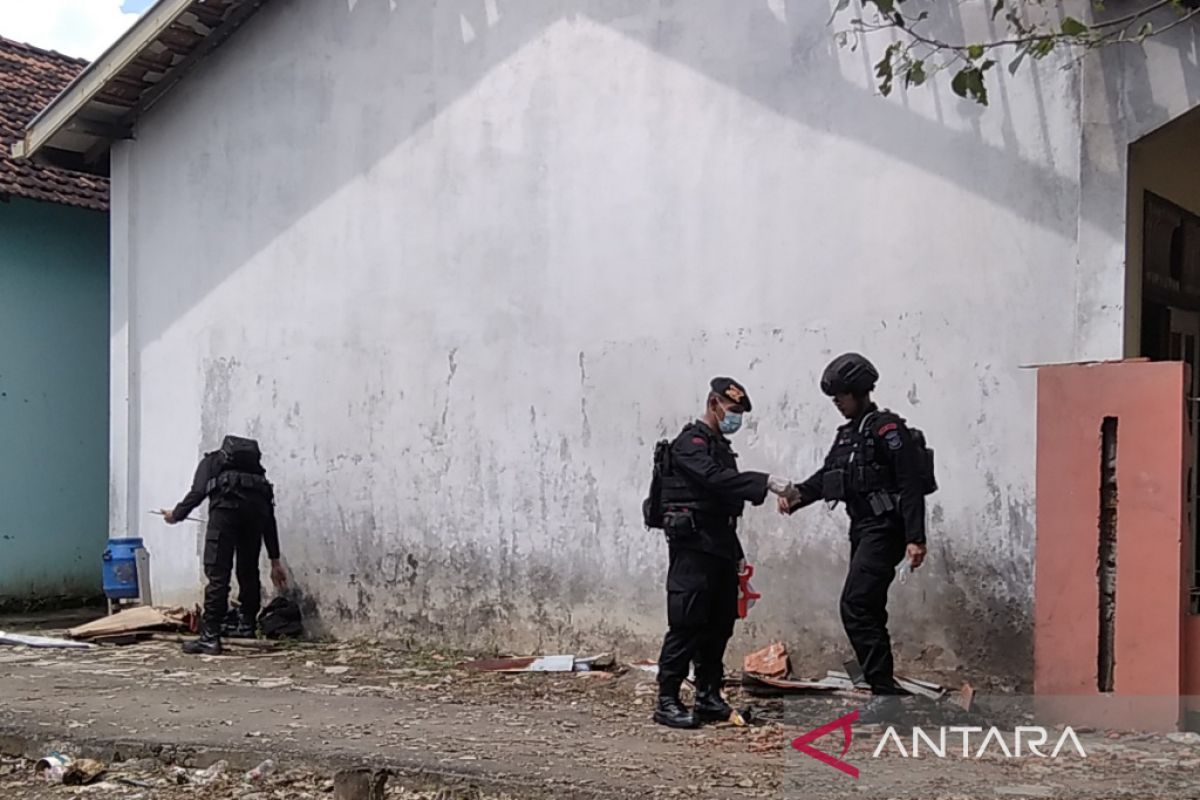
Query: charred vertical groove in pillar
1106	571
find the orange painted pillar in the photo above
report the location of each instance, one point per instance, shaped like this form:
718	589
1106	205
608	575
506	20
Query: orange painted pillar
1148	653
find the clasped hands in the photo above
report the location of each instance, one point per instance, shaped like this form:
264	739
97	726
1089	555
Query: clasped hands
789	495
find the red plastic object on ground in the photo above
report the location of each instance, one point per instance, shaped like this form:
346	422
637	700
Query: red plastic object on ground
746	593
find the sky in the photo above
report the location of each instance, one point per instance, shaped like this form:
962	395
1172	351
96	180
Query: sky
80	28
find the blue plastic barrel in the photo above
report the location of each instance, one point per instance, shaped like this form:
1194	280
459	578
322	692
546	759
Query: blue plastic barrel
120	568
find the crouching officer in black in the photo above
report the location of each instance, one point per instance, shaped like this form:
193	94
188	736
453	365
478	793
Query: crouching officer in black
877	469
241	517
702	497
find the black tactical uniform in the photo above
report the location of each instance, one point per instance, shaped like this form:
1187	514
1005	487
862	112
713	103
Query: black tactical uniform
875	469
241	517
703	495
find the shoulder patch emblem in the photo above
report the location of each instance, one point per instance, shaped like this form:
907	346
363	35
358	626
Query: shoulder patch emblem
892	437
698	440
891	426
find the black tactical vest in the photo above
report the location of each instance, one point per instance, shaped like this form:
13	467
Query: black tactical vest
853	469
234	489
679	493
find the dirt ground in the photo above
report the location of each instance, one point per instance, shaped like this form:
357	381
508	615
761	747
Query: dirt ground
159	718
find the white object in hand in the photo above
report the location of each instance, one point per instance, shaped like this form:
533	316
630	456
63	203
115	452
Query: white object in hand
904	570
778	485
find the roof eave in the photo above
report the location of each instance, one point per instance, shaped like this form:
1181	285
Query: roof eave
78	128
88	84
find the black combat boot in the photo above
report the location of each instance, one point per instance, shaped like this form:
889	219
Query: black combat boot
882	709
207	645
243	627
710	706
673	714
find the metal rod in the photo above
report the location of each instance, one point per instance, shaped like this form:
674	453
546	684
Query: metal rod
188	519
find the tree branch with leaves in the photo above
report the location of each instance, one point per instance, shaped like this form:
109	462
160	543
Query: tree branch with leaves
1032	29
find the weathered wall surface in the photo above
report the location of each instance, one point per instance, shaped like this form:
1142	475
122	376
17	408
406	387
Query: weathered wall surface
53	375
458	265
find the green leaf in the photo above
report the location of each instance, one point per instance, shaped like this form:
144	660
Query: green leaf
915	74
1073	27
1041	48
969	83
975	52
1146	32
996	9
885	70
985	66
886	7
959	83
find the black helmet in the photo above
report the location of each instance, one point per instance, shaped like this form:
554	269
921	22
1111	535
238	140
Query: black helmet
849	373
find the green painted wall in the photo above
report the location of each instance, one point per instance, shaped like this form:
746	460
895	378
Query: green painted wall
54	345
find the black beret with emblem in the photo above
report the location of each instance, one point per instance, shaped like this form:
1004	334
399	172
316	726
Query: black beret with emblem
732	391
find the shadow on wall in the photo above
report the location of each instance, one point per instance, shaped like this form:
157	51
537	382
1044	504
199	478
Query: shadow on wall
781	53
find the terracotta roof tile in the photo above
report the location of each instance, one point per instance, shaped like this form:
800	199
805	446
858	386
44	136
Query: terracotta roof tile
29	79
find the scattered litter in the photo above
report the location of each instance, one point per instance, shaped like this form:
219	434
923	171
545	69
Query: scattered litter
838	686
336	670
771	661
261	771
206	776
603	661
525	664
41	641
52	768
83	772
921	688
139	618
966	697
741	718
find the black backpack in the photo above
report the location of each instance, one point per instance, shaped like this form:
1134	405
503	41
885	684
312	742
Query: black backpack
241	455
925	458
281	619
924	454
652	510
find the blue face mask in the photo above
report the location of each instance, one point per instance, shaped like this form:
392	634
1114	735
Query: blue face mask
731	423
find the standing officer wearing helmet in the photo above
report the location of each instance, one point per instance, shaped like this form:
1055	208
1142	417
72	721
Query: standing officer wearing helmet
703	495
876	469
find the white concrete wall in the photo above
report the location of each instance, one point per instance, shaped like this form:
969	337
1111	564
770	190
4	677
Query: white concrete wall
458	265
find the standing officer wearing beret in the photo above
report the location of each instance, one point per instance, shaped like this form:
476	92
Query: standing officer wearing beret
703	495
